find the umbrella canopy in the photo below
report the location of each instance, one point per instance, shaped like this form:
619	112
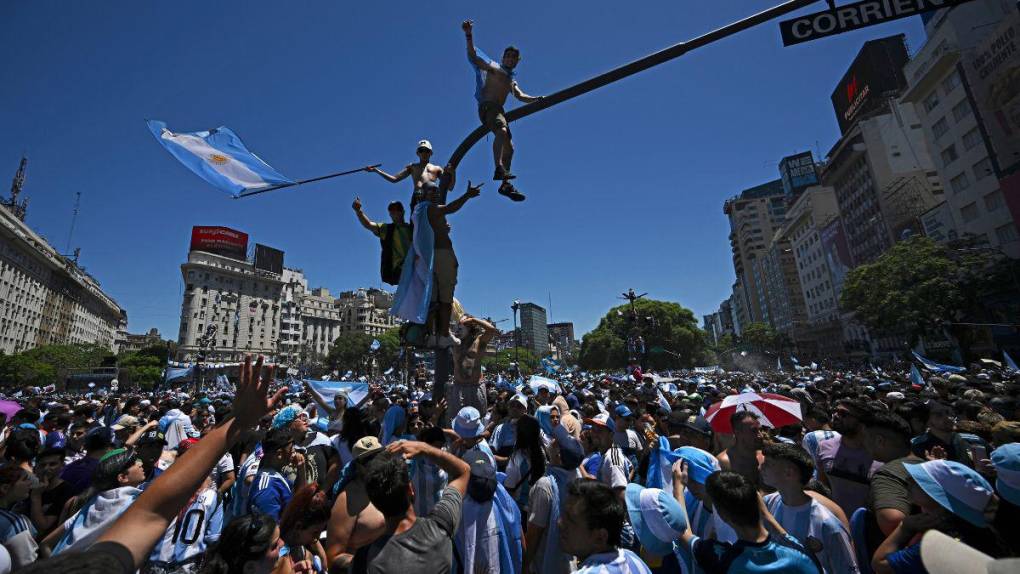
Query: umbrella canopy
772	410
9	408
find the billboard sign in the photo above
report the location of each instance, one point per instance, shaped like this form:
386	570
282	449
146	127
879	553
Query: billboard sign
837	253
993	74
268	259
219	240
798	173
875	72
938	223
855	16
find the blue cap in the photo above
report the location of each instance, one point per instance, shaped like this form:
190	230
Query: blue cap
700	464
1006	460
623	411
468	423
657	517
956	487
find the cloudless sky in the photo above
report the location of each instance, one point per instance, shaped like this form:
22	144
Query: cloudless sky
625	185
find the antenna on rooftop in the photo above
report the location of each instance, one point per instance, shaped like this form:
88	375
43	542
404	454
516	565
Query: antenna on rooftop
74	219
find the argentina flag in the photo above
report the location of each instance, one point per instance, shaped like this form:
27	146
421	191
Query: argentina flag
219	157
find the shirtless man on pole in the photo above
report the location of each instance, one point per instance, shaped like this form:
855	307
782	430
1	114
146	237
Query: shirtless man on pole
496	82
421	173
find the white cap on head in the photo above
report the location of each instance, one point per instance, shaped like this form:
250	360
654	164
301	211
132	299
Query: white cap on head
426	144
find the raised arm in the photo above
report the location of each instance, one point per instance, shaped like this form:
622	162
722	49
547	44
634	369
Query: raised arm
456	469
365	221
468	27
391	178
521	96
455	205
679	484
147	519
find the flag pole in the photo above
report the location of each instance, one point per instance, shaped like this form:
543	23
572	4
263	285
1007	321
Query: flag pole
304	181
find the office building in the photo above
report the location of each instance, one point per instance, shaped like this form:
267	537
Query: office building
534	329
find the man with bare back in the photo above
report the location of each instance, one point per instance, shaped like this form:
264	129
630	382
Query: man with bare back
421	173
495	82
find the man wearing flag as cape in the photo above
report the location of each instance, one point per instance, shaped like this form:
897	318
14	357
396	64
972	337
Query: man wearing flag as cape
494	83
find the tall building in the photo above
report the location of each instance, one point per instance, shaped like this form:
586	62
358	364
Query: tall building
754	217
366	311
320	322
534	330
141	341
942	89
880	168
46	297
291	348
562	335
778	278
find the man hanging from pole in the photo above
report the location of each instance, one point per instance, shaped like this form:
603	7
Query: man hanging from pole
421	173
494	83
395	238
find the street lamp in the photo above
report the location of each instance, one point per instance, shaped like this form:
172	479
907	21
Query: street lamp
517	355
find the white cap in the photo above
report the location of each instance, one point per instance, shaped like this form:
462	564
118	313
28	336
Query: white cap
424	144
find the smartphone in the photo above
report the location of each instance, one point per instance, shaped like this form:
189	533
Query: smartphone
978	452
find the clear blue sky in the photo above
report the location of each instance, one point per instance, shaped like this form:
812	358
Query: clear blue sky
625	185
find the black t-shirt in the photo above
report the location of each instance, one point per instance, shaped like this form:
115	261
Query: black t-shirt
105	557
53	500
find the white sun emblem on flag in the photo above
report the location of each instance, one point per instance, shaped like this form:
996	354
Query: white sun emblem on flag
218	159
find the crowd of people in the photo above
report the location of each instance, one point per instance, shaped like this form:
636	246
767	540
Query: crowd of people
628	473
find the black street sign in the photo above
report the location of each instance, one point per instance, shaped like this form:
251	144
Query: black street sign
855	16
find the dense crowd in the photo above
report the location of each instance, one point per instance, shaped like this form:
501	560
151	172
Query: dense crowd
592	473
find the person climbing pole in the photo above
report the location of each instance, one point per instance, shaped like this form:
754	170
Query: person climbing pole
445	260
421	173
395	238
494	83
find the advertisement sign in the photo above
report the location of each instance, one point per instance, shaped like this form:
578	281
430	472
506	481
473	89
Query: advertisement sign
1010	187
855	16
993	73
837	253
798	173
876	72
268	259
219	240
938	223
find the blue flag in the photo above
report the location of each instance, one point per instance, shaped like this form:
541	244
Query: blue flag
219	157
915	376
1009	361
937	367
375	345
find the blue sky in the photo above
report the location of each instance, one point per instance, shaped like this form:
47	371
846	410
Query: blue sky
625	185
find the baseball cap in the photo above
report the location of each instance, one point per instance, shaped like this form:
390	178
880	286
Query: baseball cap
895	396
468	423
602	420
153	436
365	446
942	554
125	422
657	517
699	424
426	144
623	411
482	481
520	399
956	487
1006	460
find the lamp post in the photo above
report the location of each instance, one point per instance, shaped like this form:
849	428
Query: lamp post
517	336
635	342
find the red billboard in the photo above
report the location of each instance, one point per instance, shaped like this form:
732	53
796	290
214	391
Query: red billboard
220	240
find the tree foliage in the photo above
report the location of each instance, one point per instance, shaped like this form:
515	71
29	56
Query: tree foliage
45	365
918	286
502	361
143	368
760	337
670	331
352	351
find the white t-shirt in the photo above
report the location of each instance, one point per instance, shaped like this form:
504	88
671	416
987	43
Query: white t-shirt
615	468
224	466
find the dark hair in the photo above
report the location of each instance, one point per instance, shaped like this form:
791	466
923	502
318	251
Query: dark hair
602	507
529	440
741	415
354	426
395	205
11	473
111	466
245	538
52	451
736	496
794	455
309	505
432	435
858	408
277	439
386	483
98	439
512	48
819	414
23	445
890	424
25	416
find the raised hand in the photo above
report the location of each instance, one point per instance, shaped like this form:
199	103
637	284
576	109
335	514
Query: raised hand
680	471
936	453
252	401
474	191
467	26
408	448
356	206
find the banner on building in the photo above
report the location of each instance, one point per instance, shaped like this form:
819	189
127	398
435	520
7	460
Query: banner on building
876	72
798	173
993	73
938	223
837	253
220	240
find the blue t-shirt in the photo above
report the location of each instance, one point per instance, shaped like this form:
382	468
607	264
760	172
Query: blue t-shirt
270	493
907	561
773	555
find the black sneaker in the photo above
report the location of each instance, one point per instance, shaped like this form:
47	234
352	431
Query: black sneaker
511	192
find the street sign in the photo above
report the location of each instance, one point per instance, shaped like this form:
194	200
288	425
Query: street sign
855	16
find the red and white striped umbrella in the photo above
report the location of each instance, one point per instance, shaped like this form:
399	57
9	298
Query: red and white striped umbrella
772	410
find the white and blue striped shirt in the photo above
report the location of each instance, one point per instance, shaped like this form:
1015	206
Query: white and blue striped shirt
192	532
819	530
617	562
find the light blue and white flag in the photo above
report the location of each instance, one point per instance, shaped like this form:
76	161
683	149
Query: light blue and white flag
375	345
779	364
1010	363
937	367
915	376
219	157
175	373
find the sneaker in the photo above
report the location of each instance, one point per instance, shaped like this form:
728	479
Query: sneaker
511	192
502	175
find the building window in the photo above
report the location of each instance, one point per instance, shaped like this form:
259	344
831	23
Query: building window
983	169
940	127
949	155
962	110
993	201
971	139
959	183
969	212
950	83
931	101
1007	233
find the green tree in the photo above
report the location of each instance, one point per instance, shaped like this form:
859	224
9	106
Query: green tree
143	368
671	334
389	348
350	353
760	337
501	361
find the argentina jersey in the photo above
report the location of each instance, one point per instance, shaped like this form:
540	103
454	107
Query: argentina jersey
191	533
269	494
242	487
818	530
